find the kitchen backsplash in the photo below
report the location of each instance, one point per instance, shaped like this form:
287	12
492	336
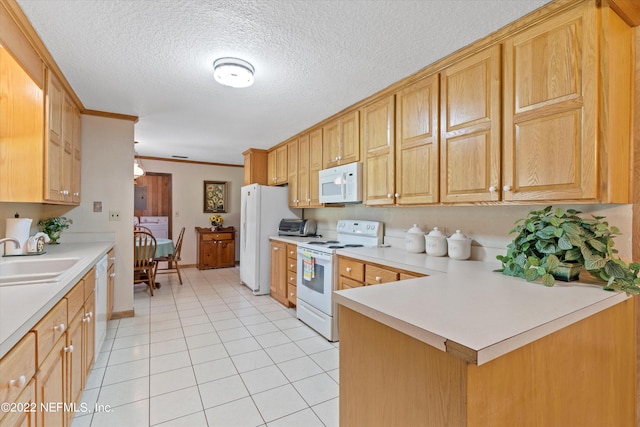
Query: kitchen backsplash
488	226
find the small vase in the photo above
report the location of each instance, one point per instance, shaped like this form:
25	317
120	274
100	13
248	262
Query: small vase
567	271
54	236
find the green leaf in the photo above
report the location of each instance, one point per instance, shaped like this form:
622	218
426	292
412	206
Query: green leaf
548	280
552	262
531	274
521	260
614	269
533	261
531	227
572	254
597	245
571	227
559	212
558	232
541	271
545	247
594	262
555	221
564	243
586	252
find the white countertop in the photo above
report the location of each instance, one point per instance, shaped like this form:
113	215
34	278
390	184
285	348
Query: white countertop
465	302
22	306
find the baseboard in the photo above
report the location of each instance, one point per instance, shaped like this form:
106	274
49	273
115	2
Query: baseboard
122	314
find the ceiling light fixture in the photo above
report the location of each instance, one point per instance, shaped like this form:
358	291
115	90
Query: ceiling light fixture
138	170
233	72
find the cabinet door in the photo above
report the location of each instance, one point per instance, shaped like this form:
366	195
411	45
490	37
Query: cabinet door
303	172
51	384
68	119
76	373
417	148
375	275
350	138
54	146
292	154
25	418
331	144
550	122
278	283
77	158
271	167
470	129
282	173
225	253
315	166
379	148
89	333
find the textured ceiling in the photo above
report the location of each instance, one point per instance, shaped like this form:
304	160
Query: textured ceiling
153	59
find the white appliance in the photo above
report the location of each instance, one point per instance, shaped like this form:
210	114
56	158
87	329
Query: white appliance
341	184
261	209
101	302
159	225
317	275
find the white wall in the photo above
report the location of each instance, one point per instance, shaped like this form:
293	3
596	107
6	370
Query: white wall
187	194
489	226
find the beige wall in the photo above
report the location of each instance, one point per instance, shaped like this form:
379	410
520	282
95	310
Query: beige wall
489	226
187	194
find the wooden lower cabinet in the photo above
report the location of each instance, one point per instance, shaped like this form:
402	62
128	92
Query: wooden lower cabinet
292	273
216	249
353	273
278	283
47	370
581	375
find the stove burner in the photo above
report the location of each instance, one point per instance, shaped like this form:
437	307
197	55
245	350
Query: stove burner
353	245
335	246
332	241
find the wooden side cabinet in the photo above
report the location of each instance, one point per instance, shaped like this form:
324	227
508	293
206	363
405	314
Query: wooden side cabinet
216	249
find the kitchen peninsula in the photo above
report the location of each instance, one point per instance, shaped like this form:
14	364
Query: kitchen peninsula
466	346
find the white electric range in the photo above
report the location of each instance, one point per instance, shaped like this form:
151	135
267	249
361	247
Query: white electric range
317	275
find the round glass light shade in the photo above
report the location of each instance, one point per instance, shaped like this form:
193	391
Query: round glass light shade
233	72
137	170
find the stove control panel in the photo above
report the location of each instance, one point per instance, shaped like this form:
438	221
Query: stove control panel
365	228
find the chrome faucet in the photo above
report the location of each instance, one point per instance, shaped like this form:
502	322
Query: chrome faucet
15	241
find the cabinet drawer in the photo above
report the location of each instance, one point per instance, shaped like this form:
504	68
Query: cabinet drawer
17	368
351	268
375	275
406	275
346	283
75	300
50	328
89	283
291	278
217	236
292	265
292	250
292	293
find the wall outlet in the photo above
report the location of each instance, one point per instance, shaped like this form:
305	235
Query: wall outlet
114	215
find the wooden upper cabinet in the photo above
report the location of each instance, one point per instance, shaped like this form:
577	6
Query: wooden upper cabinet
567	110
470	128
303	172
379	150
255	166
315	166
341	140
77	157
292	169
417	148
21	132
277	169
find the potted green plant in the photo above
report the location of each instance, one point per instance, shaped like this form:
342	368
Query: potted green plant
552	240
52	227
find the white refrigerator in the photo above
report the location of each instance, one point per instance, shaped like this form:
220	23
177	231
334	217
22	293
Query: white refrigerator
262	208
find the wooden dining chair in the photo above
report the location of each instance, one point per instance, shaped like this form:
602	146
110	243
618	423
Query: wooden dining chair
172	259
139	227
144	264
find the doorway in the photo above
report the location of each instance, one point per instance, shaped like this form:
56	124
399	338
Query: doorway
152	196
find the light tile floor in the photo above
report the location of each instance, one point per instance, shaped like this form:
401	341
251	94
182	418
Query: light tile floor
210	353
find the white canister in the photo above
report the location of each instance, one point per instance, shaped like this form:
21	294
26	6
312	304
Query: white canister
414	239
459	246
436	243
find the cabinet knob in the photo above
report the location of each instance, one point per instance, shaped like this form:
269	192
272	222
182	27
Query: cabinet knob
309	200
59	327
20	382
291	266
492	189
112	275
76	194
506	188
68	349
397	194
378	279
291	294
292	278
389	196
348	269
86	319
90	314
276	249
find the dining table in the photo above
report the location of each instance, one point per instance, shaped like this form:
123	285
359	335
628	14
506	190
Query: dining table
164	247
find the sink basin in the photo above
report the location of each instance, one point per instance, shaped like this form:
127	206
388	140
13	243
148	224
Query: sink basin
23	272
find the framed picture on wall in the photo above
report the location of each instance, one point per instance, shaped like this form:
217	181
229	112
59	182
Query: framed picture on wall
215	196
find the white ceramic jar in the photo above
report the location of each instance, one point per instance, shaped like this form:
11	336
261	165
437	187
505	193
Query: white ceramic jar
436	243
459	246
414	240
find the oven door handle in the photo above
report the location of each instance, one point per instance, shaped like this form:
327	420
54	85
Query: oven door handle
317	255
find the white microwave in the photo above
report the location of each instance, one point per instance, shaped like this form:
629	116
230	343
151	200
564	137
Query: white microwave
341	184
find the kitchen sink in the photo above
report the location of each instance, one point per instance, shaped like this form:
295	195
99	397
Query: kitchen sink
22	272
